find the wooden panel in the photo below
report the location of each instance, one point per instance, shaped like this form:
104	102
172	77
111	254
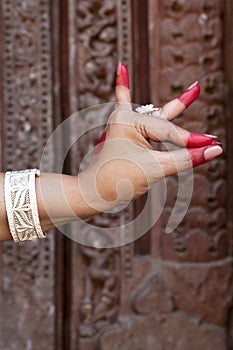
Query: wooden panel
27	275
172	298
191	49
93	55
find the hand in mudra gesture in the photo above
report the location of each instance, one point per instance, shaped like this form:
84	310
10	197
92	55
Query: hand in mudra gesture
125	165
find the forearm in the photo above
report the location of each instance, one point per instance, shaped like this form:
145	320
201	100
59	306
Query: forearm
59	201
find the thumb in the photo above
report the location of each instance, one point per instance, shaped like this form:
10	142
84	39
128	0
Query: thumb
122	88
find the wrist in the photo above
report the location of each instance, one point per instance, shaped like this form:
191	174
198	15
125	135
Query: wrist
84	201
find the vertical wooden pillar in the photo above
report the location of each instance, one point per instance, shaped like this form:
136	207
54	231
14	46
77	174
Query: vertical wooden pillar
228	57
27	274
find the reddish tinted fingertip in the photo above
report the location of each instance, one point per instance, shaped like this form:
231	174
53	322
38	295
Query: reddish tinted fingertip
204	155
190	95
122	75
197	156
199	140
100	143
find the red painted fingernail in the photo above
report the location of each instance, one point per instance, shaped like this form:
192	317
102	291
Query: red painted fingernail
199	140
100	143
204	155
190	95
122	75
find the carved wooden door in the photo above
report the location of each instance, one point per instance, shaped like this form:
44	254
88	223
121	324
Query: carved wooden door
160	292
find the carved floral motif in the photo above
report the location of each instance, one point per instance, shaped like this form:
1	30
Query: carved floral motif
100	28
191	49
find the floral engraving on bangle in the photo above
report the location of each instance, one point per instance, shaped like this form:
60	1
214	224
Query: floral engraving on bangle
21	205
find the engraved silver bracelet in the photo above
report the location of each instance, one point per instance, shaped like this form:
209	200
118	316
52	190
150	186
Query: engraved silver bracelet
21	205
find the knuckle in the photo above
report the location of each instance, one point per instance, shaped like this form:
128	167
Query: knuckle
115	117
163	113
121	117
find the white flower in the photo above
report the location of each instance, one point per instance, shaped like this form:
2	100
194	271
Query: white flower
147	109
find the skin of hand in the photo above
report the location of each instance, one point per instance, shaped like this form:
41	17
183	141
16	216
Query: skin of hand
124	165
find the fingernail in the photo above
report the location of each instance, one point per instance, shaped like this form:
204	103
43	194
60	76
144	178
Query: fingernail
100	143
190	95
199	140
214	143
119	67
192	86
203	155
213	136
212	152
122	75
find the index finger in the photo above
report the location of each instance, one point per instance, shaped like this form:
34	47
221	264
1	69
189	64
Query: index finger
122	88
177	106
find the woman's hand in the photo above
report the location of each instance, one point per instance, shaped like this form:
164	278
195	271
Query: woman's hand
125	165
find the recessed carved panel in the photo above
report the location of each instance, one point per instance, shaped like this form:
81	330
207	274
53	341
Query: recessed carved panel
191	49
101	37
27	273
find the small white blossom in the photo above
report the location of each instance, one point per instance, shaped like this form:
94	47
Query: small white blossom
147	109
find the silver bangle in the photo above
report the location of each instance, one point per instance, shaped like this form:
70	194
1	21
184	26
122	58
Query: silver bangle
21	205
